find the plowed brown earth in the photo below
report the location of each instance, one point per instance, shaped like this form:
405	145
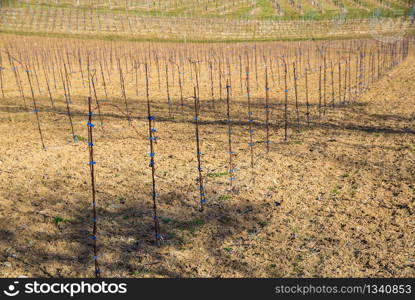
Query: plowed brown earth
336	200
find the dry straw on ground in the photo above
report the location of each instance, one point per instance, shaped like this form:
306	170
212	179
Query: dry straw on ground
335	200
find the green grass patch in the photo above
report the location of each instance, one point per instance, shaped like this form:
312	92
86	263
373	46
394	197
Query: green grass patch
241	13
336	191
171	235
167	220
192	226
58	220
410	147
139	272
267	9
225	197
155	39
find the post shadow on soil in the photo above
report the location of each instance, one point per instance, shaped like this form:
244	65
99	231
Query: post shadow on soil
135	236
275	124
225	220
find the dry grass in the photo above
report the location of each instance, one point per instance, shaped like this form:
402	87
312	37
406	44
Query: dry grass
130	25
337	200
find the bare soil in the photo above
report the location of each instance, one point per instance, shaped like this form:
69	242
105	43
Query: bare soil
336	200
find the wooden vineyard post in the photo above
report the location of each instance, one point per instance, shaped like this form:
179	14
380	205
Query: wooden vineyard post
152	139
36	110
199	153
92	164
